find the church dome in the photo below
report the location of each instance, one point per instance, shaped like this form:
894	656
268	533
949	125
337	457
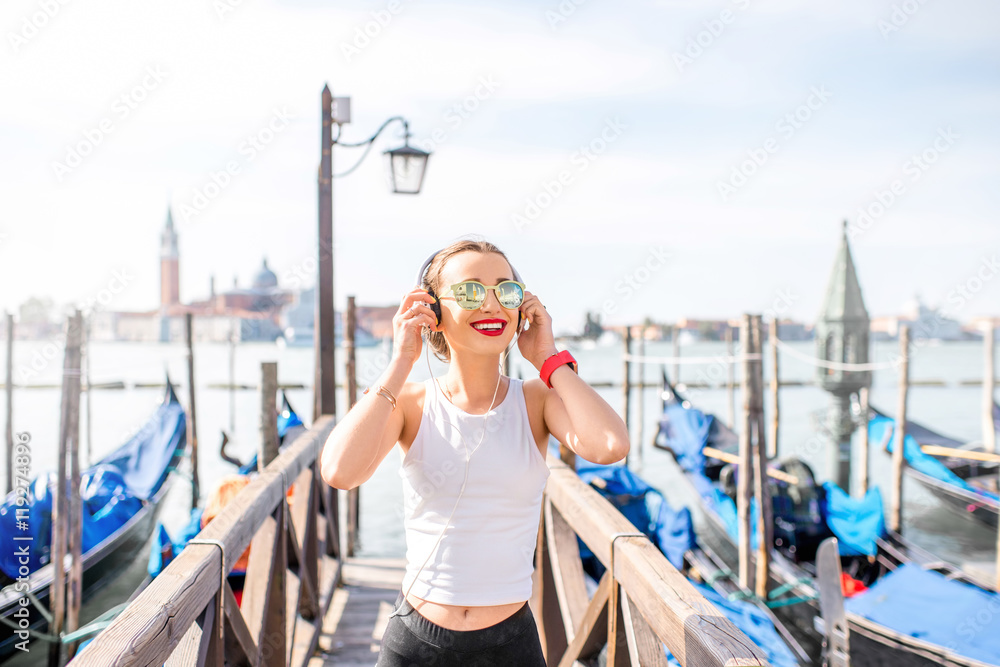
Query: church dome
265	278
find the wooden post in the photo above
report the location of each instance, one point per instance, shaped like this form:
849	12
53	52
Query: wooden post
324	341
267	449
192	424
86	371
232	376
627	383
676	342
61	508
744	475
863	467
641	417
989	388
762	489
10	405
730	378
74	584
898	460
772	441
353	495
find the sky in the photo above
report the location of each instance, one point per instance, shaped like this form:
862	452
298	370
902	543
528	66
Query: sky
636	159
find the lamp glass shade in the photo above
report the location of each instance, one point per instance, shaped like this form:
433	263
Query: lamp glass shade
405	168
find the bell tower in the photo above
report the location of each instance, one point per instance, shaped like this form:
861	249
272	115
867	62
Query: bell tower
170	276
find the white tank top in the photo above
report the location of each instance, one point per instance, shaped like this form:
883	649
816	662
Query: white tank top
486	555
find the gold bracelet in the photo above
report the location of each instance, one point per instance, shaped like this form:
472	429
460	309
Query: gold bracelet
385	393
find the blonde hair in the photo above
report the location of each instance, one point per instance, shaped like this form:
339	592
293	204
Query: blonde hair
432	282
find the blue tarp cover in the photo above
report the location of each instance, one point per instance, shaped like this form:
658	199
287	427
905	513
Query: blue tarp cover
107	505
857	522
144	460
880	429
930	607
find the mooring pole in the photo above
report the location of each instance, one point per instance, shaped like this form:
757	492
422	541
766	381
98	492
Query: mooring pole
744	474
989	388
62	508
192	425
730	378
74	585
268	447
641	416
898	460
772	441
627	381
863	467
762	489
9	467
353	495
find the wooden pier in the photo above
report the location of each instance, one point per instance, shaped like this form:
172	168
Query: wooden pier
306	605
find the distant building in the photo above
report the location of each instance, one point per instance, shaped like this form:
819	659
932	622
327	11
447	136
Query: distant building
253	313
923	322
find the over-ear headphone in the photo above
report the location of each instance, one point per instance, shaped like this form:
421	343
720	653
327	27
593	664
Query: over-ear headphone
436	306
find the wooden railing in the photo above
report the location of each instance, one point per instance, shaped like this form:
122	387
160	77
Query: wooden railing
189	615
645	604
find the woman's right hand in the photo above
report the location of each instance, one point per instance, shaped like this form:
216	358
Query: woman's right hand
407	325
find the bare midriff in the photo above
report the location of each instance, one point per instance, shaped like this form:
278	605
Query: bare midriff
456	617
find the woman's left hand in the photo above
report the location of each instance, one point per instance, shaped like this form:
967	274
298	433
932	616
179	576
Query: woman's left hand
537	343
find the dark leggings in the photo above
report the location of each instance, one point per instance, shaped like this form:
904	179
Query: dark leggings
410	640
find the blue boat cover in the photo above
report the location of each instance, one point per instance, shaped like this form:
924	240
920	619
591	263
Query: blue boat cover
914	602
880	429
686	431
671	530
144	460
107	505
857	522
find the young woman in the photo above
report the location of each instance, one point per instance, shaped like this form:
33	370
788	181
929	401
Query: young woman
474	443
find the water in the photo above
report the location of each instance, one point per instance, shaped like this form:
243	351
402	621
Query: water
951	409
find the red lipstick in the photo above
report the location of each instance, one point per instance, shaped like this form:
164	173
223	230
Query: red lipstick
490	327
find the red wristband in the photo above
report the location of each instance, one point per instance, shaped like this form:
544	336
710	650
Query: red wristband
554	362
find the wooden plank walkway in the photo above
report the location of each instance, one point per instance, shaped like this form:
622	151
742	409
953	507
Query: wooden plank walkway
352	629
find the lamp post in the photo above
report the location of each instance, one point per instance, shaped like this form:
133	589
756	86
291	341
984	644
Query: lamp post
405	166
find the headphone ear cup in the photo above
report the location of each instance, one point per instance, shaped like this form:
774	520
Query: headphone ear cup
435	306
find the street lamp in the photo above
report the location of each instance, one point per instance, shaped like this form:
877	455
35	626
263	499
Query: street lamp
405	170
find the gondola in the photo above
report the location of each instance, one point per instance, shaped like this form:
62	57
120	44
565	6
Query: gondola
121	497
165	548
671	530
806	514
967	486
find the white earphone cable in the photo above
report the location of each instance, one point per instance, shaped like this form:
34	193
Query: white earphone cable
468	454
